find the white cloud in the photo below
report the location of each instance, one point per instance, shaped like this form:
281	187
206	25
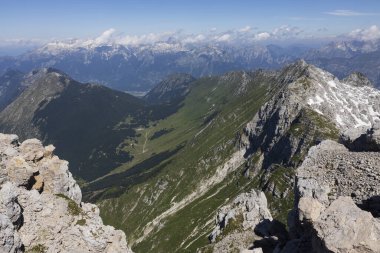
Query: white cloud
178	39
194	39
262	36
371	33
245	29
242	35
105	36
349	13
285	31
224	37
146	38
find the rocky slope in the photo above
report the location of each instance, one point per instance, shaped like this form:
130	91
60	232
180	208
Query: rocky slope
41	208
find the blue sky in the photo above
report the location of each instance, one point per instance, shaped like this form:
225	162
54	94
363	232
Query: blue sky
43	19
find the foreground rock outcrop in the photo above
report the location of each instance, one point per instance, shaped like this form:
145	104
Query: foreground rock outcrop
344	227
337	202
41	208
245	225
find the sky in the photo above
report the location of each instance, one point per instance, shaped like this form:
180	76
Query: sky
44	20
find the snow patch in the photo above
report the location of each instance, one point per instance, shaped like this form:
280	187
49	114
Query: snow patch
350	107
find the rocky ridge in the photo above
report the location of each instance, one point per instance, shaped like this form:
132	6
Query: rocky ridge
41	208
337	192
310	105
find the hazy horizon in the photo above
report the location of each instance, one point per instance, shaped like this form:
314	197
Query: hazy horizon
26	25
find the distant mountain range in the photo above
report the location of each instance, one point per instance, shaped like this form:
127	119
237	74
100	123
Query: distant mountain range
140	67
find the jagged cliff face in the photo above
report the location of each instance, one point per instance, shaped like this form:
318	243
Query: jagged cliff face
311	105
41	208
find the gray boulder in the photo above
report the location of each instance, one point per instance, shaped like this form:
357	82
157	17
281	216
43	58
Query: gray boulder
345	228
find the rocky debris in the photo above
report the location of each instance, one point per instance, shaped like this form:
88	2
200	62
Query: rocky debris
40	204
343	227
331	170
336	202
243	221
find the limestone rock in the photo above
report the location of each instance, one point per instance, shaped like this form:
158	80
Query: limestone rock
251	207
58	180
257	250
309	209
345	228
8	202
32	149
241	222
19	171
40	205
9	240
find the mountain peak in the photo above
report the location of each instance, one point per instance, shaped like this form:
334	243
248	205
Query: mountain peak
173	88
295	70
357	79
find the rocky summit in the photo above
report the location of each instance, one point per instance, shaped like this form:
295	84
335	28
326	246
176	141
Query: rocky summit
41	208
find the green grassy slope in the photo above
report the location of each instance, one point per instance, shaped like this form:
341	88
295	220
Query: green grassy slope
202	137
